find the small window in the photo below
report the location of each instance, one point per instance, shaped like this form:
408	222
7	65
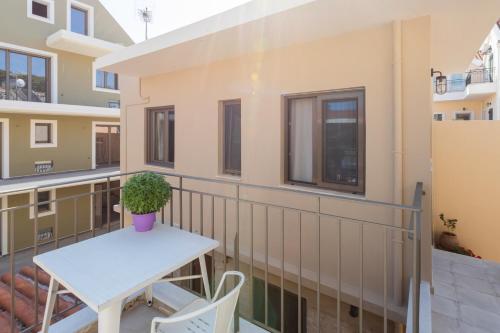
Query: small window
106	80
79	21
114	104
438	116
42	10
464	115
326	140
45	206
161	136
43	133
231	137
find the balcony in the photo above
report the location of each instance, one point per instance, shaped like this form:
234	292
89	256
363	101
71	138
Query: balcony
65	40
307	265
473	85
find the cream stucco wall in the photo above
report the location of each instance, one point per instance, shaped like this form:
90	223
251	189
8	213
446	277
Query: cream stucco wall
449	108
466	160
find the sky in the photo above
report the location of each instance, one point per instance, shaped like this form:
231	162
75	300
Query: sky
168	15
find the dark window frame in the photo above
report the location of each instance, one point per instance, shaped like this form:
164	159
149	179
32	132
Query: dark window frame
168	155
44	207
318	133
30	56
86	12
49	131
34	5
225	169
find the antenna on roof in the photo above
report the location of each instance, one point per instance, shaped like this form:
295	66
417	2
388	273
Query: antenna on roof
145	13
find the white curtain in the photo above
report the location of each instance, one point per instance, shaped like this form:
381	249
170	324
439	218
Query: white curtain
301	140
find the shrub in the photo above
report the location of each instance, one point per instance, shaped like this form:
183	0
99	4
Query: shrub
146	193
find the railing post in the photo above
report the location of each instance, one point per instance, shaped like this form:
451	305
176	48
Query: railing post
35	245
237	256
108	201
416	271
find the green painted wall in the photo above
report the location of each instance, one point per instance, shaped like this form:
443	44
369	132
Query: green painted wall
24	227
74	70
74	143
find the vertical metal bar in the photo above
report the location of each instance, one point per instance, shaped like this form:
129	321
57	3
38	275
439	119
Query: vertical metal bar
339	272
171	204
385	280
224	235
190	211
75	219
108	200
318	282
282	277
35	248
416	271
94	211
56	224
163	215
361	277
251	262
237	255
180	202
122	211
300	276
266	272
213	251
12	272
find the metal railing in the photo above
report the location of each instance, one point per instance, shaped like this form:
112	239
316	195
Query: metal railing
483	75
205	205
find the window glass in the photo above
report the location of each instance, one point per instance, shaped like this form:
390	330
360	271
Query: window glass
161	136
232	137
111	81
340	141
159	141
301	140
43	133
99	79
79	20
42	198
18	76
39	9
171	136
38	79
3	75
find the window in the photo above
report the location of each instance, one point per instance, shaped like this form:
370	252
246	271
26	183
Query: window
43	133
24	77
463	115
231	137
161	136
438	116
325	137
113	104
106	80
42	10
45	207
79	20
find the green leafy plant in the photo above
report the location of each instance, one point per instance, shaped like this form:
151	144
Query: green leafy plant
146	193
450	224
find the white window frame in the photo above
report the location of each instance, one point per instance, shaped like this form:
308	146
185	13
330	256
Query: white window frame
83	6
51	211
441	113
94	83
50	11
5	148
463	112
93	140
53	123
53	65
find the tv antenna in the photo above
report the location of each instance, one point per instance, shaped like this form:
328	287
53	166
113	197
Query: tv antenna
146	15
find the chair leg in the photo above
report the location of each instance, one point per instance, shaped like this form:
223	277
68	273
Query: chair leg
148	293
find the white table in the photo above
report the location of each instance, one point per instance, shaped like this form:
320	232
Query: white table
105	270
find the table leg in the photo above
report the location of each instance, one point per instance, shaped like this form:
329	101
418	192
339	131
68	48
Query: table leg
49	305
204	274
108	318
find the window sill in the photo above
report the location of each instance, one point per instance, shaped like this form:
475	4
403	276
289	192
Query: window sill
44	145
323	191
48	213
106	90
41	18
224	176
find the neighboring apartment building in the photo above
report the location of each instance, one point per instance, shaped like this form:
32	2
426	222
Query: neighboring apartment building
474	94
329	105
59	118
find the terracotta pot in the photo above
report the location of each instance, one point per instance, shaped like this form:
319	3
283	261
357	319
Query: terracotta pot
448	241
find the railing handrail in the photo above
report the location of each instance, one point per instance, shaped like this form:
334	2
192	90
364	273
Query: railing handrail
415	207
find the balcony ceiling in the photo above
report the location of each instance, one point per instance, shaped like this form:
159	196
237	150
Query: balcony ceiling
76	43
262	25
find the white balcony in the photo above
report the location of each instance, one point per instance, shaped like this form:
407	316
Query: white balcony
474	85
66	40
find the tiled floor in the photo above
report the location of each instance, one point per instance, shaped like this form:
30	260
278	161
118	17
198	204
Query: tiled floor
466	294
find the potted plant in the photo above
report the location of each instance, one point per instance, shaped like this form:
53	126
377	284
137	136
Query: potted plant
448	239
144	195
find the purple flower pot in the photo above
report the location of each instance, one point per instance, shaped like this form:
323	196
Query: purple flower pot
143	222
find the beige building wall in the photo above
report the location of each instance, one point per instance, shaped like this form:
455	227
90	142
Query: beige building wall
466	186
449	108
74	143
74	70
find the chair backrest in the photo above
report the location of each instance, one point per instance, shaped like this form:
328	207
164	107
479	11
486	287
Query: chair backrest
223	308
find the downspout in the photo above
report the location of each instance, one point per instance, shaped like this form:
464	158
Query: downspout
397	242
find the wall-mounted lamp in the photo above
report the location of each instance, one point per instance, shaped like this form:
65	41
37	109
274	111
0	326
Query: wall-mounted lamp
441	82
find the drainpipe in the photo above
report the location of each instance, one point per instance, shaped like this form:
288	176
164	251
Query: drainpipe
496	77
397	241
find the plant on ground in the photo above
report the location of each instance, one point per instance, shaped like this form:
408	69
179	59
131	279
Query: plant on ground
450	224
146	193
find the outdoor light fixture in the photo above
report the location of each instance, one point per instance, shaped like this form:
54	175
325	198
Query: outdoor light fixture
441	82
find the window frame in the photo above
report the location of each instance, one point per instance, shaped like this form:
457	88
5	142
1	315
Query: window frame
149	149
95	87
53	132
222	123
318	138
50	10
51	211
30	56
90	16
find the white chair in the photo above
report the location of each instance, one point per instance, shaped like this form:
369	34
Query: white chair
203	316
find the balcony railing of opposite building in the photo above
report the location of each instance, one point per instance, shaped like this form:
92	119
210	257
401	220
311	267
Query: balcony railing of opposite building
483	75
281	245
